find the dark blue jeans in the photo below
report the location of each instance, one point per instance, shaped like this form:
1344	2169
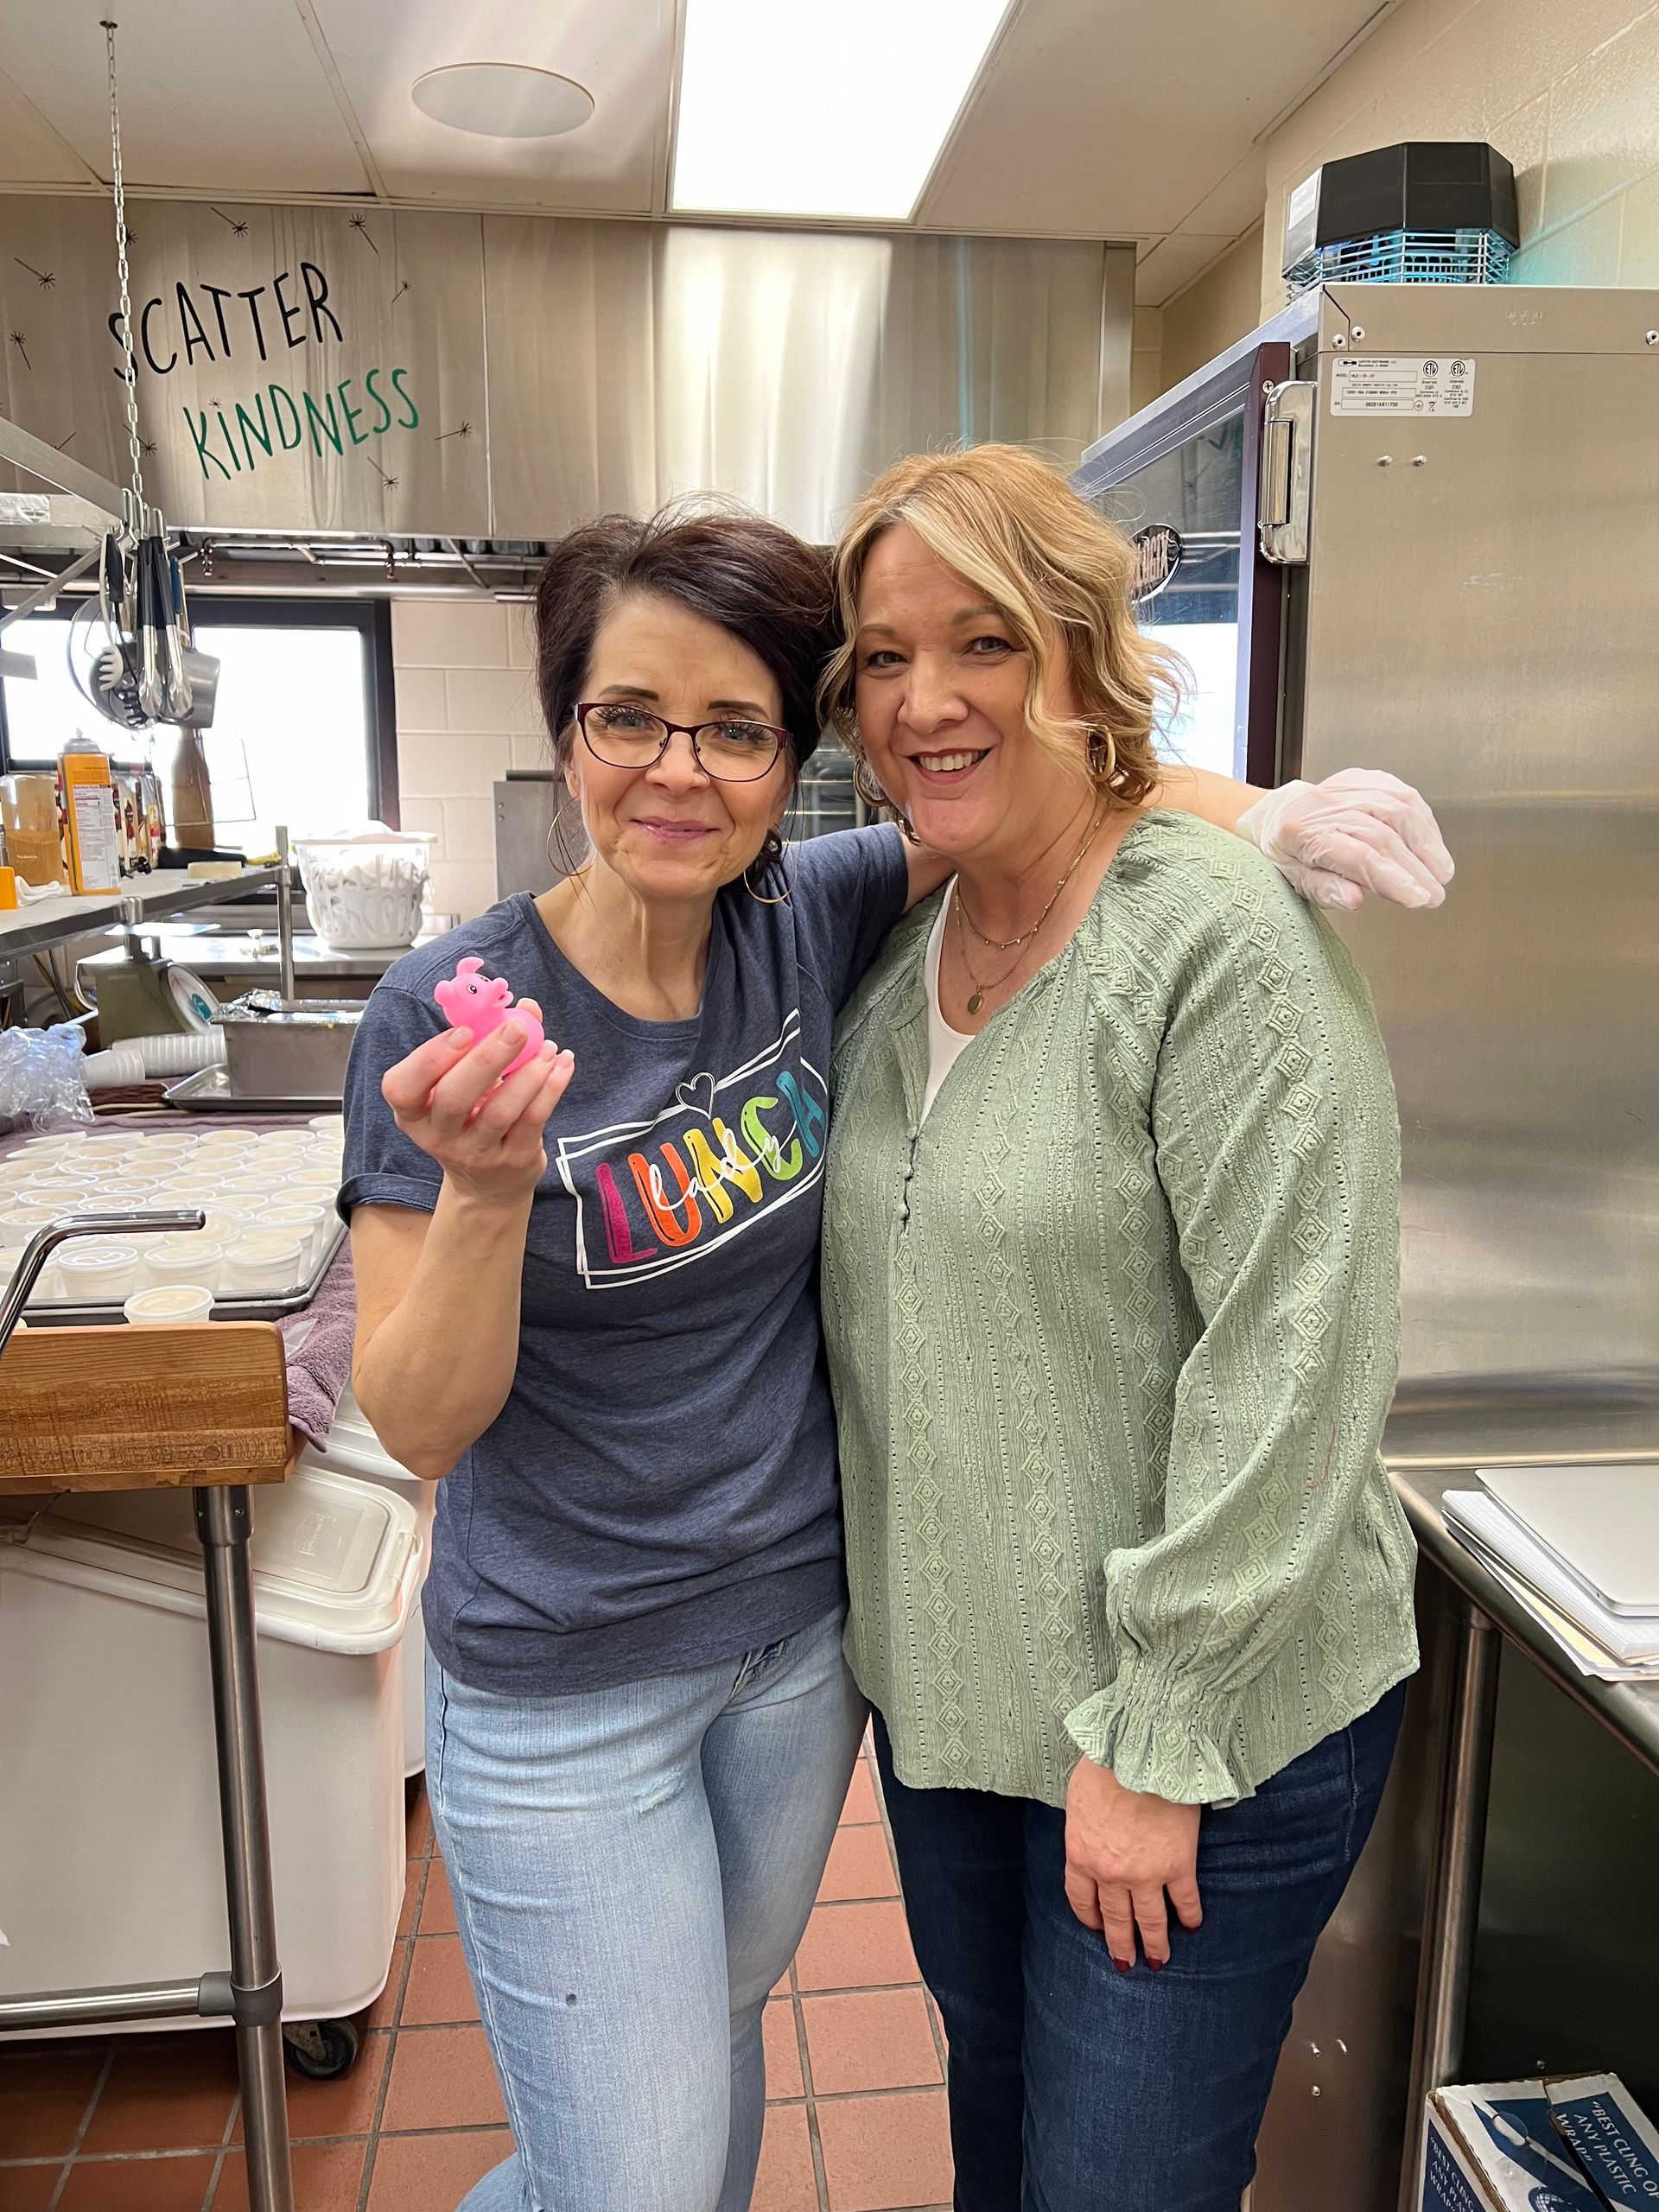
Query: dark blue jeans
1073	2087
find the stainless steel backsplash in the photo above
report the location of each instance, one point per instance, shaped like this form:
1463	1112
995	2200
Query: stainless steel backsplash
505	377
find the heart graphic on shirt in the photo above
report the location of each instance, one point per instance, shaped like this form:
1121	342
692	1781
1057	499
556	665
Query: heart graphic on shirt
698	1097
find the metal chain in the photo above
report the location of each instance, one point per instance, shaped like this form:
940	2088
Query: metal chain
133	446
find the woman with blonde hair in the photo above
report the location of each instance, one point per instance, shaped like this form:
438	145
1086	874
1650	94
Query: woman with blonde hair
1110	1294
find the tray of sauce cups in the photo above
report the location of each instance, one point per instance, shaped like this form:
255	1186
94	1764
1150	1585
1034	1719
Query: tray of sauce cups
268	1195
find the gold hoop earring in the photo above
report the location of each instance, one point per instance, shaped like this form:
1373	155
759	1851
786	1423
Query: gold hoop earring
1102	755
565	865
876	798
773	854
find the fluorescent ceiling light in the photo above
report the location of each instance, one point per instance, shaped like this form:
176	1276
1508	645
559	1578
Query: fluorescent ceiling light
795	107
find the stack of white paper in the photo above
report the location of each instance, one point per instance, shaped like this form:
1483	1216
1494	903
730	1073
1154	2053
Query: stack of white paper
1579	1549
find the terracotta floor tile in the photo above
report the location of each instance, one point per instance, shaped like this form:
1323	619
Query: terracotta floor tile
786	2181
174	2093
27	2188
878	2041
855	1947
383	2014
346	2106
438	1912
860	1798
328	2177
432	2173
783	2052
782	1987
860	1866
882	2153
438	1988
442	2077
44	2094
137	2185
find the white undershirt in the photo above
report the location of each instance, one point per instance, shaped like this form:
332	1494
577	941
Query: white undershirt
945	1046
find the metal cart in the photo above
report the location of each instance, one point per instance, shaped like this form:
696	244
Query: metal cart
204	1408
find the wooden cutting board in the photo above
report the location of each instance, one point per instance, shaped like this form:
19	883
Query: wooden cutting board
143	1408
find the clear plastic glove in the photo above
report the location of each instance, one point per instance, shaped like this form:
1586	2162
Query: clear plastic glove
1360	830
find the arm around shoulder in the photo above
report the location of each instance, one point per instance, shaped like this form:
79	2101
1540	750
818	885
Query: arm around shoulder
1277	1150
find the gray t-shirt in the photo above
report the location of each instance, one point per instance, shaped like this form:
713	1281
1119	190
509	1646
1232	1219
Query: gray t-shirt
659	1491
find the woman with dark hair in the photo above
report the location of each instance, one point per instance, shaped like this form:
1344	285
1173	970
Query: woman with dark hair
641	1727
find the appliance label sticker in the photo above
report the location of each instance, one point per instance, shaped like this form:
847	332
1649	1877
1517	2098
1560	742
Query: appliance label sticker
1403	383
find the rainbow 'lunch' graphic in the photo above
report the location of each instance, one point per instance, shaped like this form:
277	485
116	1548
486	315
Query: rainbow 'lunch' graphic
722	1154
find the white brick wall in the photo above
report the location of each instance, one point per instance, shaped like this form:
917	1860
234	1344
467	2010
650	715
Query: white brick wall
466	710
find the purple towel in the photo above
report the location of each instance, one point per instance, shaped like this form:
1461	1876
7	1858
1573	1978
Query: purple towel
318	1344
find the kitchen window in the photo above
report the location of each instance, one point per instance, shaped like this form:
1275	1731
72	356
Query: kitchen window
303	731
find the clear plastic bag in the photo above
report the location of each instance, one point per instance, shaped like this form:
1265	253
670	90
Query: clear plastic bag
42	1085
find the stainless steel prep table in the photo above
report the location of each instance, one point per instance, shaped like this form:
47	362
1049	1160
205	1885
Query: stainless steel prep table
1483	1612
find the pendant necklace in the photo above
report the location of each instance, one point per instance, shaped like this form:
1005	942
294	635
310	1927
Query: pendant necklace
1014	945
977	996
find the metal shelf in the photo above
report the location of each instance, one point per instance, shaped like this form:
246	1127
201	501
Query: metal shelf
144	898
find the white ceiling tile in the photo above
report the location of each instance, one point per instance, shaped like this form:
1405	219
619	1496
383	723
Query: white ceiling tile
1233	205
217	95
1112	117
30	151
621	50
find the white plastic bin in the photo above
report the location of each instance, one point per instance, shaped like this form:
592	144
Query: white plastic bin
112	1867
354	1449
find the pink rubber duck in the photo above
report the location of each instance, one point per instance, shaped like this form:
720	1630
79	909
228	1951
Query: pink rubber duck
472	1000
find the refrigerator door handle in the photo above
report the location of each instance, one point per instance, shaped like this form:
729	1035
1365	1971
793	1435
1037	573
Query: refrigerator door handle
1284	505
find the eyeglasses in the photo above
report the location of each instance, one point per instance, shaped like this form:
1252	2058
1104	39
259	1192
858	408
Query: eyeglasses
731	751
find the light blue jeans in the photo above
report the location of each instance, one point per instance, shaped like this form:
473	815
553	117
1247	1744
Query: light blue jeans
633	1869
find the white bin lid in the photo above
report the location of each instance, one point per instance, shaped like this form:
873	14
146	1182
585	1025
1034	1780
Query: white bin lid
353	1444
333	1558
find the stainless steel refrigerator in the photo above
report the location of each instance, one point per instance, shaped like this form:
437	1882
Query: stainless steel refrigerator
1418	530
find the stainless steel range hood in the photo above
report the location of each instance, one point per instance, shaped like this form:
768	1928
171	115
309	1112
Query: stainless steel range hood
314	387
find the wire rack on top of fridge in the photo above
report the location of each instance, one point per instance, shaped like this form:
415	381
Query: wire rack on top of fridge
1405	258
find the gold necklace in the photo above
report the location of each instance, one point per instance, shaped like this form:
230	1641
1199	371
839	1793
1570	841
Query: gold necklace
977	996
1009	944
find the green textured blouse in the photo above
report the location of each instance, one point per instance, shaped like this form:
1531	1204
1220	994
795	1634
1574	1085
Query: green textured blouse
1113	1334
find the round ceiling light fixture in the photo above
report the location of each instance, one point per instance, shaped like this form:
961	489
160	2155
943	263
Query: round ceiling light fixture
503	99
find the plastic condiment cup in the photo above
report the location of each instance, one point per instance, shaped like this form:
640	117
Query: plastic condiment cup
170	1303
190	1257
64	1140
46	1197
191	1189
49	1287
27	1209
307	1223
237	1205
95	1272
334	1124
123	1159
262	1266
